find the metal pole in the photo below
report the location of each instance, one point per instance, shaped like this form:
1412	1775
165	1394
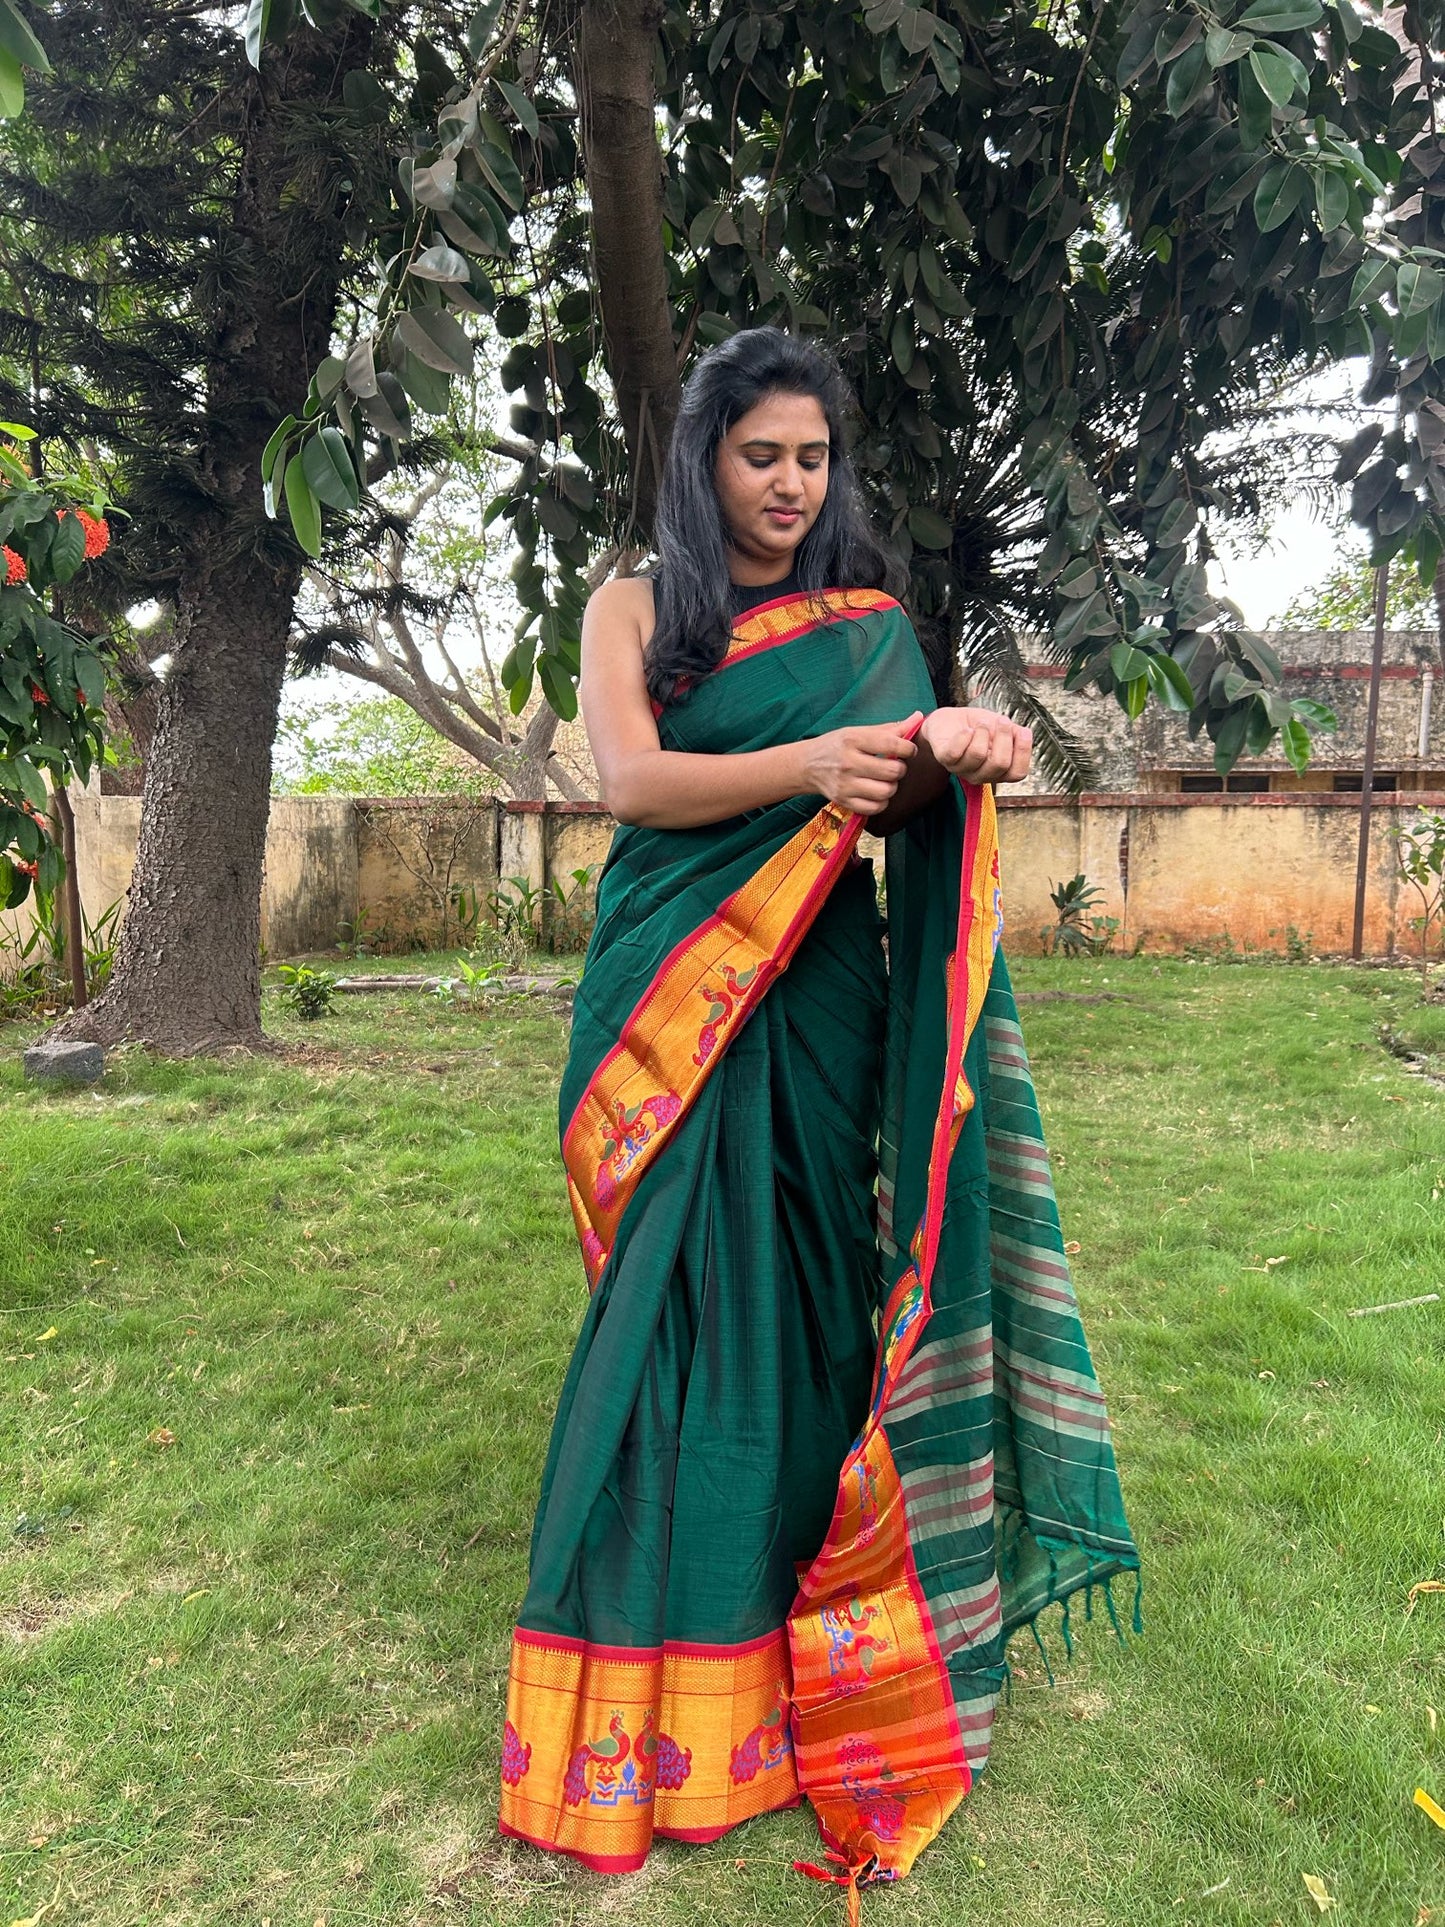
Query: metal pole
1367	779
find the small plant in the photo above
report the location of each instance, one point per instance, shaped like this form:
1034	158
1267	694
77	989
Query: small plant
515	908
33	967
309	992
571	911
355	937
1214	950
1299	945
1080	930
1420	858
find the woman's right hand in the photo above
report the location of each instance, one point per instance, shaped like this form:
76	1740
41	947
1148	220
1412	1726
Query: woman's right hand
859	768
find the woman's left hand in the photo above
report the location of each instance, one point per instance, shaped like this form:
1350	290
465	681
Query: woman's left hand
978	745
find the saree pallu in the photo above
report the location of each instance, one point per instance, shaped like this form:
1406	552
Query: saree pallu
831	1431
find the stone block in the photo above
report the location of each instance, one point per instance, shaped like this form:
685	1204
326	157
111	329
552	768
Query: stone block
65	1063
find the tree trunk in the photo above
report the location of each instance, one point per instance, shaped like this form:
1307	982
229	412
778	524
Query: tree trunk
616	47
1440	611
187	971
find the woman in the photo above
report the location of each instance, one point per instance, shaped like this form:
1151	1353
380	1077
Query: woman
831	1430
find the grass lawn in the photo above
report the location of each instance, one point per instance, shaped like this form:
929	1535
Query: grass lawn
279	1345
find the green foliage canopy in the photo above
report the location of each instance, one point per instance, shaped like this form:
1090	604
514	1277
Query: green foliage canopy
1097	209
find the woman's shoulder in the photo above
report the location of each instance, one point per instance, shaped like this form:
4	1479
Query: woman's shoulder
622	592
622	607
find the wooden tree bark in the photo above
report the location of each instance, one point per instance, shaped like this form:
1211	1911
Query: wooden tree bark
187	973
615	51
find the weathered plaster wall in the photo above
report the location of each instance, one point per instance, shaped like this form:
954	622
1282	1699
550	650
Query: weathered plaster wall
1173	869
1188	869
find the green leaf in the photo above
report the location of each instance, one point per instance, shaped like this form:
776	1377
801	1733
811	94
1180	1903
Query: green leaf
17	431
67	549
1281	16
439	340
1136	697
1416	288
304	509
90	675
1295	739
557	687
17	40
14	885
1127	663
361	369
279	435
1170	684
1256	110
1230	740
1174	525
522	107
1189	75
1277	73
1316	716
929	529
1278	195
1223	46
327	464
1332	198
258	19
501	170
481	27
1374	279
916	29
436	263
12	91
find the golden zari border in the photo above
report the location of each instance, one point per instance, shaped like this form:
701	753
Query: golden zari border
605	1746
880	1753
694	1006
770	623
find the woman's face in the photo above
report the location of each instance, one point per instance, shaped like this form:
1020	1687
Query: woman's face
772	477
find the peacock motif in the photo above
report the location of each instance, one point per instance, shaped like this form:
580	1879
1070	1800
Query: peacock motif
670	1764
596	1763
867	1478
866	1775
722	1001
516	1757
851	1649
770	1741
625	1140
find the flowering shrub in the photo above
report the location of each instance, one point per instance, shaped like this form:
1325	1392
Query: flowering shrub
52	678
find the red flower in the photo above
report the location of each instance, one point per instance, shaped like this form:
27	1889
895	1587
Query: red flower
37	694
30	869
15	569
97	534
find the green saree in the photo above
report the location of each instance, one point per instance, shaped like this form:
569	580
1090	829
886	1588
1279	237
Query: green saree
831	1431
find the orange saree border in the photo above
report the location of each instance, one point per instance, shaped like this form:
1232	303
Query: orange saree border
880	1753
607	1746
767	624
699	999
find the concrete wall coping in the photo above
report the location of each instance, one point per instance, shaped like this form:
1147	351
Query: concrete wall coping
1224	799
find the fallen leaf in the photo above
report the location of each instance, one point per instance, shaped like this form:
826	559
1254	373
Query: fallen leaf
1318	1892
1434	1719
162	1435
45	1337
1423	1585
204	1593
1073	1248
1428	1807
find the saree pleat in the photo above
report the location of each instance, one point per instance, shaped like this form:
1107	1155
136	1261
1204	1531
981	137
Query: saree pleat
831	1430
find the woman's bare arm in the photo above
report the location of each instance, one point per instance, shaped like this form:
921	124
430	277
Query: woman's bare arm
643	783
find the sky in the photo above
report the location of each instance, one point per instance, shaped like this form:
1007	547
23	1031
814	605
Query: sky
1301	551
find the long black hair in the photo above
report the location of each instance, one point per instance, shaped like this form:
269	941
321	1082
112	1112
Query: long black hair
692	586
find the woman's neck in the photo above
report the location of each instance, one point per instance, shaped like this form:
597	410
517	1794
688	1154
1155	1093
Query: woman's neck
759	572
